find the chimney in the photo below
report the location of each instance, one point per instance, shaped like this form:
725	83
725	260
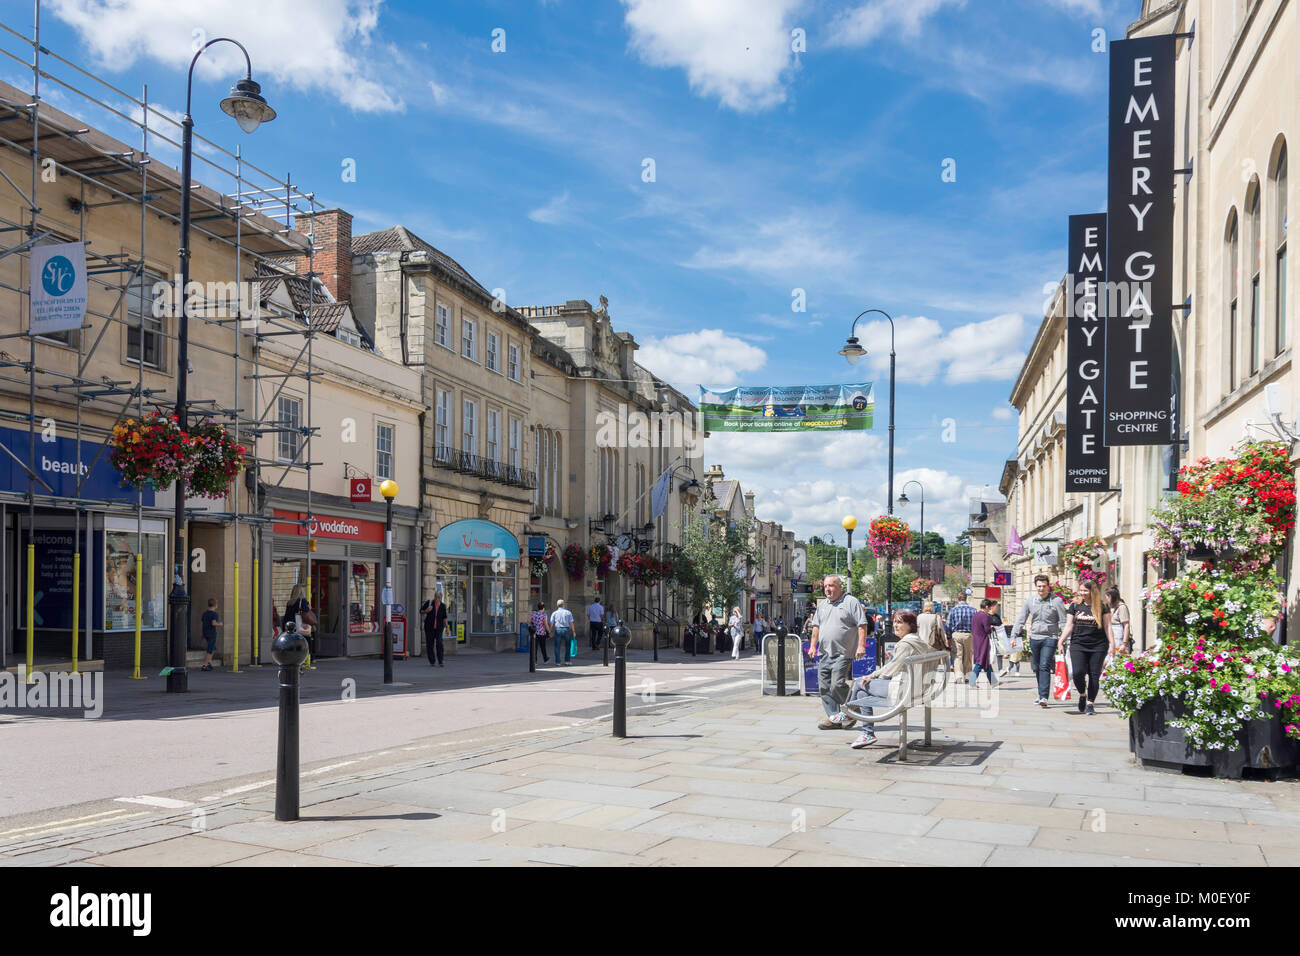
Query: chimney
714	472
333	238
749	501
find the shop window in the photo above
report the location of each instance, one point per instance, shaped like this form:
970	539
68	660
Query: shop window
493	601
286	574
363	609
119	580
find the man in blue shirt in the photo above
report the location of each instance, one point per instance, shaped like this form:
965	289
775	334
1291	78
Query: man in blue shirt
958	627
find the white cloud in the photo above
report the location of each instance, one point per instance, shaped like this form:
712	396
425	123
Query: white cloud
318	50
974	352
798	243
709	357
867	23
552	212
735	50
1084	8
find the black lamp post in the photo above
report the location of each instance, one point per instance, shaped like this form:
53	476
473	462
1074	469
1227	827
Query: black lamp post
246	105
835	548
902	500
853	352
388	488
849	523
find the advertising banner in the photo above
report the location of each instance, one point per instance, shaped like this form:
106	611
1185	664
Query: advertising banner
787	408
1140	404
58	287
1087	459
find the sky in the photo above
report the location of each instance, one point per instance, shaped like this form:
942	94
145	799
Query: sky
739	177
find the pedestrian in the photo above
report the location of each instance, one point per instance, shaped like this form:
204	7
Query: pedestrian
981	630
562	628
1046	615
435	622
595	622
1121	629
930	627
839	618
211	621
299	612
998	634
541	629
1087	628
873	690
737	633
958	627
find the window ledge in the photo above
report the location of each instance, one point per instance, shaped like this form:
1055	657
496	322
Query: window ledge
1246	389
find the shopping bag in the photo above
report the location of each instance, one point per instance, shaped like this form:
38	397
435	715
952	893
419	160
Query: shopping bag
1000	643
573	647
1061	682
1015	644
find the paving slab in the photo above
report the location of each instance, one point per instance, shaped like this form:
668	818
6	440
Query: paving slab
714	829
982	831
641	797
887	847
1017	814
758	811
1150	848
180	851
685	851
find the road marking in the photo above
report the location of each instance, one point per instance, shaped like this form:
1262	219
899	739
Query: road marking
166	803
333	766
93	820
41	826
234	790
735	683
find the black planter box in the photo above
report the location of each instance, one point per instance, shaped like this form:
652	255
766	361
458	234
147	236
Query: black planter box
1261	744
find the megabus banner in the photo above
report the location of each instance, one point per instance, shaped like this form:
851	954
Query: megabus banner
787	408
1087	459
1141	406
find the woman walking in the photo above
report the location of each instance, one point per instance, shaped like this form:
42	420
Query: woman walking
1087	628
981	633
737	629
299	612
435	622
541	628
1119	620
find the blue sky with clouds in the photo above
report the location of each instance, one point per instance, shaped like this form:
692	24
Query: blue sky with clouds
775	170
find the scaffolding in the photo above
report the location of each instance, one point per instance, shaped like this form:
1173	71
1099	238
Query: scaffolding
245	210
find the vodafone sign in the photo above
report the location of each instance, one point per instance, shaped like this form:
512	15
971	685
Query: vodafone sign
327	526
359	488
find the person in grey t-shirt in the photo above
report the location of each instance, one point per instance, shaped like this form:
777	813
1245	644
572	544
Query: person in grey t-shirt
1045	615
833	627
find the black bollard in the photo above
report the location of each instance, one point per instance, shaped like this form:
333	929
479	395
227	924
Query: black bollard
655	635
780	661
532	649
289	651
621	637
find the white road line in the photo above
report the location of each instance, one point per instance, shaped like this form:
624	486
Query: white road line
234	790
735	683
166	803
55	823
333	766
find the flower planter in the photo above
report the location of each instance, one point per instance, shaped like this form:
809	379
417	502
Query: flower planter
1262	744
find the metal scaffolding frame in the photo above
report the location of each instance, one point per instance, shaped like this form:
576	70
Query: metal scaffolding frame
253	214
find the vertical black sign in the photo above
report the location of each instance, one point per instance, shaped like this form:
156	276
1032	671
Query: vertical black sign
1140	402
1087	459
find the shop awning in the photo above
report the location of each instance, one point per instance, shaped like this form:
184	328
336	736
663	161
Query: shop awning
477	540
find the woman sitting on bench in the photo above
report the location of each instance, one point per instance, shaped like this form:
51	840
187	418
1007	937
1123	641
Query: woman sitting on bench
872	690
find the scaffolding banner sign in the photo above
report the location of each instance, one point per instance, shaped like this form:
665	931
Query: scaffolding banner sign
58	287
787	408
1087	459
1141	405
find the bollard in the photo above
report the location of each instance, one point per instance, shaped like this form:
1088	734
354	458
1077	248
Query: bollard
532	649
621	637
604	647
656	640
780	661
289	651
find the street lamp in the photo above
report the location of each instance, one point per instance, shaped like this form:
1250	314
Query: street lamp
246	104
902	500
829	539
852	351
388	488
849	523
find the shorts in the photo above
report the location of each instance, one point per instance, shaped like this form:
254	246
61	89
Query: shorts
212	643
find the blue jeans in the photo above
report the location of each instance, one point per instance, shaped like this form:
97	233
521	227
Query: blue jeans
988	671
875	694
1042	655
561	646
833	682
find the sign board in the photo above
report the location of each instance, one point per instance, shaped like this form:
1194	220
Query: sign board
1002	578
477	539
994	593
1087	459
360	489
326	526
799	561
793	662
536	546
399	636
1141	406
787	408
1045	551
58	287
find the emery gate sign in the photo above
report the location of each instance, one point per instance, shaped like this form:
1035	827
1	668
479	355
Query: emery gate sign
1120	387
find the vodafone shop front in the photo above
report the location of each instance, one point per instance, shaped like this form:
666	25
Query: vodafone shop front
342	578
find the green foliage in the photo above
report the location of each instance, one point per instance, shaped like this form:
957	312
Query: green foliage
874	591
935	547
954	585
711	566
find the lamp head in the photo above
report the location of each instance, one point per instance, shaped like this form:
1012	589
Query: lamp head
849	522
903	499
388	488
852	350
247	105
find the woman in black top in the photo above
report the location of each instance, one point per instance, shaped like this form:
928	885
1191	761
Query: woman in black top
435	622
1087	627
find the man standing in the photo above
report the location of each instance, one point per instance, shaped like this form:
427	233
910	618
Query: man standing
958	627
596	622
835	624
1046	614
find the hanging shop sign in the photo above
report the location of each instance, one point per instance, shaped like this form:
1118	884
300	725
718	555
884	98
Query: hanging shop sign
58	287
1087	459
359	489
788	408
1047	551
1141	405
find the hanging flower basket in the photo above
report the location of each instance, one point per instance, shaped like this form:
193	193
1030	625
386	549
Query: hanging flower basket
889	537
575	561
643	569
1088	558
537	566
217	460
601	558
151	452
922	586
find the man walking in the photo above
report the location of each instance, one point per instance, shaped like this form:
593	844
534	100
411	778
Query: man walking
958	627
1046	614
562	628
595	622
835	624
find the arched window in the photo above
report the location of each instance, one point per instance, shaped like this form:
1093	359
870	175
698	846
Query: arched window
539	492
557	470
1231	272
1280	212
1254	256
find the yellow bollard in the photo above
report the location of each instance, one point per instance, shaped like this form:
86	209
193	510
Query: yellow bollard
257	651
31	608
76	607
235	617
309	665
139	574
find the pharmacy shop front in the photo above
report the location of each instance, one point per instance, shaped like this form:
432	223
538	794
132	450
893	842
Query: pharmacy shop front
342	577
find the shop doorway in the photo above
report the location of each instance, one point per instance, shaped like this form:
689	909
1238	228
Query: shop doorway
327	601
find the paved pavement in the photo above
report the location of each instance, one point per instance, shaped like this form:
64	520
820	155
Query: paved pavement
732	778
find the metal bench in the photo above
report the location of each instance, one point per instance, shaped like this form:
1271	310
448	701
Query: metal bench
912	671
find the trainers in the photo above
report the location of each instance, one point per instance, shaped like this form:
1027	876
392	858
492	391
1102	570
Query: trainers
1091	709
865	739
846	722
1042	702
206	667
1082	704
830	723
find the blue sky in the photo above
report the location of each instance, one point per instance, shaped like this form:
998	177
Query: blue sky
774	171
